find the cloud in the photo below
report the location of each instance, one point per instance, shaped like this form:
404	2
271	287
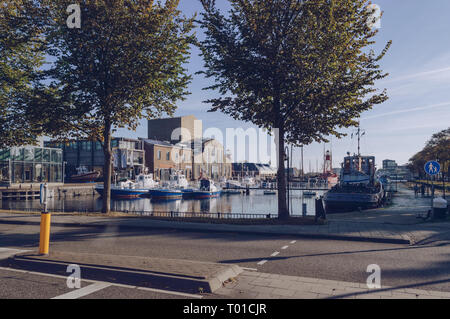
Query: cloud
437	74
421	108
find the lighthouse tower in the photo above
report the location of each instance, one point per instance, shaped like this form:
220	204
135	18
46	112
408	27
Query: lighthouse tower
327	163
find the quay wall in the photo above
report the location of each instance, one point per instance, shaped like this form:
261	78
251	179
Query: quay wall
31	191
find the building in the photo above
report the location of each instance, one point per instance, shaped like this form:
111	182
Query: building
255	170
212	162
389	164
194	155
31	164
128	156
394	171
163	158
175	130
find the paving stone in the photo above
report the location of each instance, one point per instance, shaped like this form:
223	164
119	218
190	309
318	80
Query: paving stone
283	292
304	295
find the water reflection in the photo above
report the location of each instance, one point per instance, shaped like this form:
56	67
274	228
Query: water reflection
255	203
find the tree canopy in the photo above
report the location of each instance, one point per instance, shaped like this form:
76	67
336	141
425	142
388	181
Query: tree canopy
303	68
124	63
22	47
437	148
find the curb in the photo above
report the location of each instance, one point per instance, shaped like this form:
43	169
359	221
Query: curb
108	272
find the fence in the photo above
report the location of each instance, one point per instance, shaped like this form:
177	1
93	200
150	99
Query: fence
167	214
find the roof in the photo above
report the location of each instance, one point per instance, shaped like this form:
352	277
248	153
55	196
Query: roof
254	167
157	142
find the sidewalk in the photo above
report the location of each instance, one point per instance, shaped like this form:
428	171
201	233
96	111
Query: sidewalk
208	280
256	285
160	273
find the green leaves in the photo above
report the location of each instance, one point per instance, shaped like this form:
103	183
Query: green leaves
309	55
298	66
437	148
125	62
21	57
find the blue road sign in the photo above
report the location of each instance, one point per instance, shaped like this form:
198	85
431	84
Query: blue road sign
432	168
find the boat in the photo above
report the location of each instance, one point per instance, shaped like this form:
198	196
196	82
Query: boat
178	181
172	189
83	175
358	187
231	192
232	184
248	181
146	181
166	194
123	190
270	192
207	190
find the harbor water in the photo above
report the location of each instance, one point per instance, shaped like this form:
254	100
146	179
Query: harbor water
255	203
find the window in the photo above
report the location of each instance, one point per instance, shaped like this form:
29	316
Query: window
4	155
168	156
86	145
98	146
159	155
47	154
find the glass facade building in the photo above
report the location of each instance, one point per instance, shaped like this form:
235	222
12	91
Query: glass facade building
128	156
31	164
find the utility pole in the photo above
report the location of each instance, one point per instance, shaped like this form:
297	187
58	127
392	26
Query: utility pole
360	133
303	172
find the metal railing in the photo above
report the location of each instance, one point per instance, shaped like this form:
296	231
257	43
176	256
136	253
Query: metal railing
162	214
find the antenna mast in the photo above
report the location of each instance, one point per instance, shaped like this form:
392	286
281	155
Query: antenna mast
359	131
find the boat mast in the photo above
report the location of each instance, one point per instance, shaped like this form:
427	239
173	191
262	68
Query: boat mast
303	171
359	131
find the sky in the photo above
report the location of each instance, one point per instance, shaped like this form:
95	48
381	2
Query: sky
418	87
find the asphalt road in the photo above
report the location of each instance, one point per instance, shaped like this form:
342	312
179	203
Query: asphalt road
422	267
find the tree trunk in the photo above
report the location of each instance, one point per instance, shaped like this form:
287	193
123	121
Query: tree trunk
283	212
107	171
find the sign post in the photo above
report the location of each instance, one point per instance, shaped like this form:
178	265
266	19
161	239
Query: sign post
432	168
44	239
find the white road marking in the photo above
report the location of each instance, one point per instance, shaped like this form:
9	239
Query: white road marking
249	269
78	293
168	292
262	262
284	247
293	242
275	253
5	253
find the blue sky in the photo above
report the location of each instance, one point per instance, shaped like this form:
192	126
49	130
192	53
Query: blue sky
418	86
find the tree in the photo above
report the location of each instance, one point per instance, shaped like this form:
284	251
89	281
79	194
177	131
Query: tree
21	57
438	147
124	63
296	67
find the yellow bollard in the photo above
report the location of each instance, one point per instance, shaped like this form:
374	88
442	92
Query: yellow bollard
44	241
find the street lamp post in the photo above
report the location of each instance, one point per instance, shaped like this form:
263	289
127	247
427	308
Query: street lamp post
286	154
